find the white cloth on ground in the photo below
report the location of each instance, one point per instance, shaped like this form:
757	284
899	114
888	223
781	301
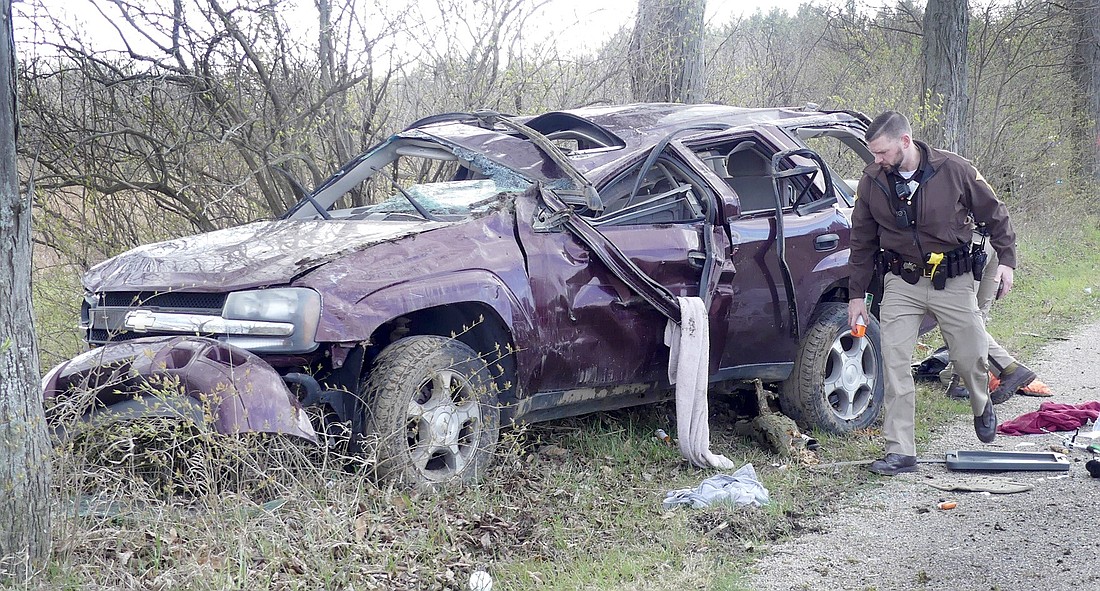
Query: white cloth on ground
740	489
688	369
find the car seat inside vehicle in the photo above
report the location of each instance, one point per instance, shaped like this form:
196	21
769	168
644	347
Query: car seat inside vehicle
748	175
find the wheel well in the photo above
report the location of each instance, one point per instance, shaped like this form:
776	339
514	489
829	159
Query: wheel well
473	323
838	292
835	293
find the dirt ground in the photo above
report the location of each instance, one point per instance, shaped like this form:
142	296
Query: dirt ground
895	536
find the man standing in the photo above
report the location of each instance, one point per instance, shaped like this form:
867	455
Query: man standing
918	205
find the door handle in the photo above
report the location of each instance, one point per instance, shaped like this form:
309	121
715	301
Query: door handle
697	258
826	242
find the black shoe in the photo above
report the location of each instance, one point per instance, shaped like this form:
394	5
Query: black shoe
894	464
986	424
1011	382
956	390
1093	467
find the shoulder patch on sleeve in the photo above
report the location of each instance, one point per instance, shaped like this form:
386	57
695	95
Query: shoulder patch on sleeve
981	179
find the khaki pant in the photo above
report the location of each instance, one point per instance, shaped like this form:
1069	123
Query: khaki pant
987	292
956	311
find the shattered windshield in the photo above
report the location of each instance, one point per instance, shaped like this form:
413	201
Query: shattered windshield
407	179
446	199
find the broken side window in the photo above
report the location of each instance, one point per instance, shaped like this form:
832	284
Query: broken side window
665	195
845	154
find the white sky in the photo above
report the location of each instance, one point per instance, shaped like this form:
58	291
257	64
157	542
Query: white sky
599	18
580	24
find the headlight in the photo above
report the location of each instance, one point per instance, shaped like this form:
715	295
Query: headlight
297	306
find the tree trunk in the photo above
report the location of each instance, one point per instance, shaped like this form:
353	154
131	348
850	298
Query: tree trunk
944	49
1085	68
24	472
326	56
666	51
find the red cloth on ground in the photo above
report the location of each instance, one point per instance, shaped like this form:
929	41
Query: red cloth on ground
1051	416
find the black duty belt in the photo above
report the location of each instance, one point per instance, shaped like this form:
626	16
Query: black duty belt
939	266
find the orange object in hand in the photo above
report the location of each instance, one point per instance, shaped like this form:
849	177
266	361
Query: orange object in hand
860	328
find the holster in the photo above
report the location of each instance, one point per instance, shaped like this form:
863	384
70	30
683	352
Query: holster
978	258
909	271
939	278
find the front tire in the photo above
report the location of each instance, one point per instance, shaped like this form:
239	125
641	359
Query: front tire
433	406
837	382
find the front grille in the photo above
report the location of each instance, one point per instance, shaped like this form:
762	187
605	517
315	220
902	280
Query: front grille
100	336
110	330
168	299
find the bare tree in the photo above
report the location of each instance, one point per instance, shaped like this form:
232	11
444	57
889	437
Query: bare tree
24	470
944	52
1019	103
1085	68
666	51
182	129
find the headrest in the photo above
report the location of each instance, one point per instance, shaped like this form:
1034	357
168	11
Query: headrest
746	163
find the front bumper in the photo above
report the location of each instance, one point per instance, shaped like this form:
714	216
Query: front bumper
227	388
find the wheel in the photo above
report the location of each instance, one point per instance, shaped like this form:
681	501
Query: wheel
837	383
433	406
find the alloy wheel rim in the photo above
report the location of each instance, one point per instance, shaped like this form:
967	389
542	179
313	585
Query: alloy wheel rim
850	378
443	425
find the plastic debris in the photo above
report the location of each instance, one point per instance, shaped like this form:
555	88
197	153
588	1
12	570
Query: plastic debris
1037	388
481	581
742	488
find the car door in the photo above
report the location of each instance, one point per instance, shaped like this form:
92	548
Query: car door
594	328
785	254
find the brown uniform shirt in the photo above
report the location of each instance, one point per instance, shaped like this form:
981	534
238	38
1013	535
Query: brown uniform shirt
952	196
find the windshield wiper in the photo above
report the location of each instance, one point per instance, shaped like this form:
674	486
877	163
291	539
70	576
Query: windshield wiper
412	200
300	192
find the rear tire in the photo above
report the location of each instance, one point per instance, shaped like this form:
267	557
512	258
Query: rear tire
837	383
434	408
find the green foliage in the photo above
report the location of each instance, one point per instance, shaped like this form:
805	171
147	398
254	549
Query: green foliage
56	297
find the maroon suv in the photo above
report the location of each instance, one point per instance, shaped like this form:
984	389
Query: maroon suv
476	269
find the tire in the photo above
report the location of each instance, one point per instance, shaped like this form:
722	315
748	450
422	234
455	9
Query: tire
837	382
434	408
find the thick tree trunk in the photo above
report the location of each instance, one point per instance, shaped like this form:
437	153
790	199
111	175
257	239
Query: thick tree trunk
666	51
24	447
1085	68
944	49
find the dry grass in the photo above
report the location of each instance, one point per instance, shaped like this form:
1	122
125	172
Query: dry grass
571	504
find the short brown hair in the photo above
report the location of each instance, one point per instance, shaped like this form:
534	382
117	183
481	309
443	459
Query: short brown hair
889	124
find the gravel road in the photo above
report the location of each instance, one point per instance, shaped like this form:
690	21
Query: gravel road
895	537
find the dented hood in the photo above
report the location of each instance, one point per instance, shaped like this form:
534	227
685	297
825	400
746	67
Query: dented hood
254	255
